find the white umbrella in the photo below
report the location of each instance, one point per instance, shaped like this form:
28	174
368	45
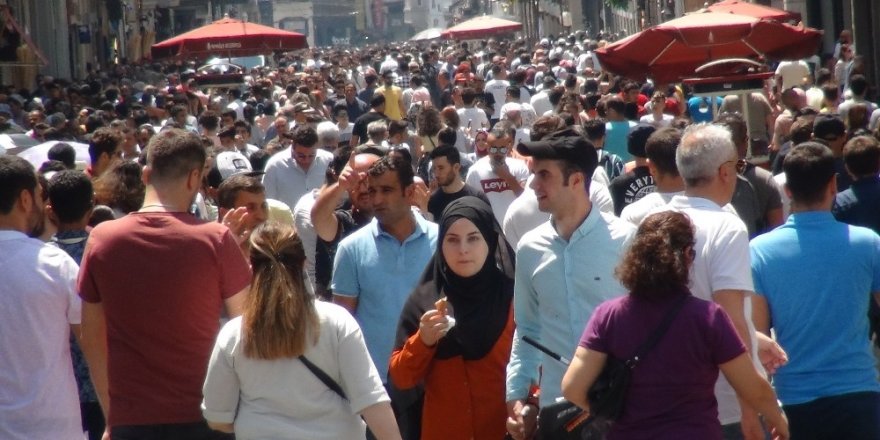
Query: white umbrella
427	34
38	154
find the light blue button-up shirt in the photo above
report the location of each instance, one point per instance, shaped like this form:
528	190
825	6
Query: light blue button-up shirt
380	271
558	285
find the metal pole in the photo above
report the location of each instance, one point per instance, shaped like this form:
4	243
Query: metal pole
745	98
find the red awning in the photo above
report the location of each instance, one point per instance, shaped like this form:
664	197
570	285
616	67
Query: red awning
229	37
753	10
673	50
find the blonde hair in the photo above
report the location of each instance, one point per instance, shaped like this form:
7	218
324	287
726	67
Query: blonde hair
279	315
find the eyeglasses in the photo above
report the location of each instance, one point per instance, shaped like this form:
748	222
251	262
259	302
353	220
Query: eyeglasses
304	156
498	150
733	161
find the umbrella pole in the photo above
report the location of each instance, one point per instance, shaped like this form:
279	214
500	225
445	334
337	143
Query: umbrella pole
746	110
714	105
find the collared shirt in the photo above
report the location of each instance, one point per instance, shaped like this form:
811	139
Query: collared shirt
286	181
356	108
558	283
380	271
817	275
38	396
72	242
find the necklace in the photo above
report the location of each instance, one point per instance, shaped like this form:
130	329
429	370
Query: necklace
167	208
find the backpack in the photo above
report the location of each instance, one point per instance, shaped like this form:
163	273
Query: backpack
612	163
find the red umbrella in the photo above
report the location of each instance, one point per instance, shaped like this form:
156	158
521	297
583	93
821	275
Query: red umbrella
672	50
480	27
753	10
229	37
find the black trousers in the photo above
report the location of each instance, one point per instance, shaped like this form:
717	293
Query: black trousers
172	431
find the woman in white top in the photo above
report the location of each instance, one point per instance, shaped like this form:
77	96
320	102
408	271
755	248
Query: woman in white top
258	387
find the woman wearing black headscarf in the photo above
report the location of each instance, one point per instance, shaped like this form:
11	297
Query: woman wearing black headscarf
460	354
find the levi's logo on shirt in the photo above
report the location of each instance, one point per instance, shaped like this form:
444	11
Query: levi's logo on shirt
494	185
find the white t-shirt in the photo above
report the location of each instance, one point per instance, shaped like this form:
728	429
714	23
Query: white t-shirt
815	97
541	103
664	121
480	176
722	263
636	211
498	89
472	117
38	398
286	181
786	200
523	134
793	73
524	215
302	220
282	398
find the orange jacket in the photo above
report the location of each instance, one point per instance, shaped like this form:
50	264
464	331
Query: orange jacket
463	399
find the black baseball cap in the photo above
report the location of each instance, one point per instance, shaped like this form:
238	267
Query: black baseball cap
563	146
638	138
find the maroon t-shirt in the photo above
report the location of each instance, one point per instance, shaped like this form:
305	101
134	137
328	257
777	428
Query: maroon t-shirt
672	394
162	279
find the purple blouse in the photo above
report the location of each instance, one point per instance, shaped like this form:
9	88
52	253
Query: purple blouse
672	394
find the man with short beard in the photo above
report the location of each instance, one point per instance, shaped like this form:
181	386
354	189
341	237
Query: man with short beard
446	166
41	309
153	285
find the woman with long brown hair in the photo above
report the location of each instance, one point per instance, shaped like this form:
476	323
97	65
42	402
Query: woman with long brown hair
264	379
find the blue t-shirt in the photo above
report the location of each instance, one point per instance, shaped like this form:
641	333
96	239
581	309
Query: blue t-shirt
616	133
372	266
817	275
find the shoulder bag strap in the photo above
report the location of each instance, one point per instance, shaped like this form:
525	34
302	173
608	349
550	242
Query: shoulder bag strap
658	333
324	377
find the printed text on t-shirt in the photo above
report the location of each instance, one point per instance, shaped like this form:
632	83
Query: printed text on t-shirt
494	185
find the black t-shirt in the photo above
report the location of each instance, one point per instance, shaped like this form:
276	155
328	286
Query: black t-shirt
360	125
629	187
439	200
325	251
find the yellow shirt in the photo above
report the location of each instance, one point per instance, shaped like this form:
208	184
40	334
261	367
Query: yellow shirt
392	101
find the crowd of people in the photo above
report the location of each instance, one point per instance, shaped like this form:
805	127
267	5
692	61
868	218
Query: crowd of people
354	243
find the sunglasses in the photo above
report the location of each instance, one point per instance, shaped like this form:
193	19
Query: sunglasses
498	150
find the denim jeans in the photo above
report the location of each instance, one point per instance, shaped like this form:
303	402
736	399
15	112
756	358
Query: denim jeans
853	416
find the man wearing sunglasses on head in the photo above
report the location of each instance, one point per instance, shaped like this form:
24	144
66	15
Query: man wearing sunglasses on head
500	177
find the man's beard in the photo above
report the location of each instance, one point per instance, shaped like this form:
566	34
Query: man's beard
38	224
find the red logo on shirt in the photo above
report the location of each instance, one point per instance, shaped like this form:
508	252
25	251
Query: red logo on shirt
494	185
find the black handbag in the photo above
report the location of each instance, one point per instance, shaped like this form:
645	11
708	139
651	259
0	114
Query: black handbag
607	396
